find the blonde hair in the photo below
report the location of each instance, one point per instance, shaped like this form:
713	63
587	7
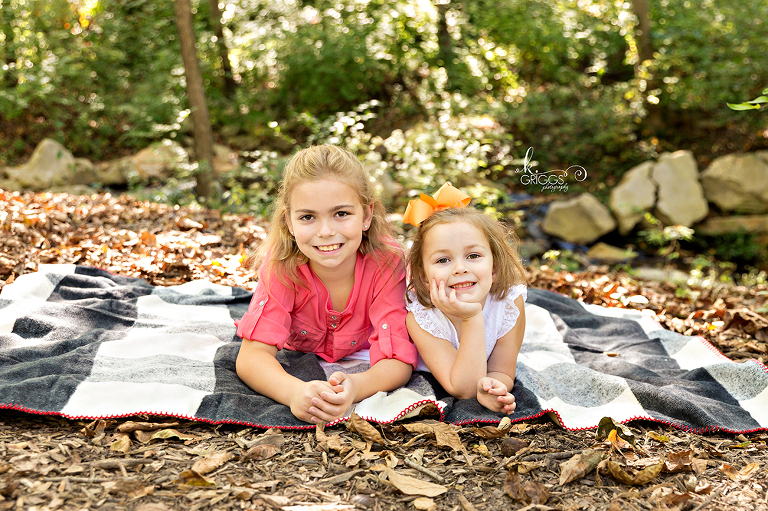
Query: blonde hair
502	240
279	252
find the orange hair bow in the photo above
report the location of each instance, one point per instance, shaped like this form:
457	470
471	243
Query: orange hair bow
422	208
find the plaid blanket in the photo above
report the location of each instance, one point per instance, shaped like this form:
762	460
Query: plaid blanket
80	342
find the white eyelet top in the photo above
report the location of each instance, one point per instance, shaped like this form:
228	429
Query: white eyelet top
499	316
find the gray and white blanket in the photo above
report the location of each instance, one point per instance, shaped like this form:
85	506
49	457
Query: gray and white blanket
79	342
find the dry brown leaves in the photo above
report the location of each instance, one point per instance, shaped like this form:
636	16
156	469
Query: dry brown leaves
163	244
58	464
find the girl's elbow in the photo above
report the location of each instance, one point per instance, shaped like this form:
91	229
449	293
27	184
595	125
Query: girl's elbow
241	367
465	394
462	391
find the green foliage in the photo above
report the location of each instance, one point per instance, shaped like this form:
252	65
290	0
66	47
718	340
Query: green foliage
740	247
666	238
562	260
755	104
459	89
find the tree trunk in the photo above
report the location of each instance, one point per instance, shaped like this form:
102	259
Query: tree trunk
196	93
654	121
446	54
642	30
226	66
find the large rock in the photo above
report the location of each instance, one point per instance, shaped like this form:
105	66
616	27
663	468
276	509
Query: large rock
580	220
160	161
224	159
609	254
633	196
731	224
157	162
738	182
51	165
680	196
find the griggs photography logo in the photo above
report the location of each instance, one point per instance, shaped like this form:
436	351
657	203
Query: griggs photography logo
552	180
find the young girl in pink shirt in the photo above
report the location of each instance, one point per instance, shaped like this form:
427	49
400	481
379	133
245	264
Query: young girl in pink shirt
465	298
332	283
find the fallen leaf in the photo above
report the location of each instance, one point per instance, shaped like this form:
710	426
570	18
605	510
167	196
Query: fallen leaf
579	465
260	452
413	486
271	436
680	461
658	437
497	431
445	434
523	467
130	426
739	475
607	424
424	504
511	446
519	428
529	492
211	462
365	429
617	442
275	500
699	465
482	450
328	442
146	437
122	444
132	489
95	431
642	477
192	478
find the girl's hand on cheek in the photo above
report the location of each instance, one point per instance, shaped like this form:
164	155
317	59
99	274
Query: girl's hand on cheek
445	299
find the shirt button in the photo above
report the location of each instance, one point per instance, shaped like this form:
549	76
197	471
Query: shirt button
261	303
353	343
303	332
334	325
334	317
384	326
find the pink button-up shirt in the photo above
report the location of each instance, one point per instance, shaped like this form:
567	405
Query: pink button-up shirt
302	318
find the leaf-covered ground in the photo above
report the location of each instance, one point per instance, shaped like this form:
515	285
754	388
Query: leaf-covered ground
155	463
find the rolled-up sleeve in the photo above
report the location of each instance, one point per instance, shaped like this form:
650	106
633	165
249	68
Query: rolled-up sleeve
268	319
387	312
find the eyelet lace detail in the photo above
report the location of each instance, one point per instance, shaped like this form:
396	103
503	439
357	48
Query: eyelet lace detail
426	319
511	312
432	322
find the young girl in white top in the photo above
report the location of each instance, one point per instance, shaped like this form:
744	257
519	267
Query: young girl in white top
465	298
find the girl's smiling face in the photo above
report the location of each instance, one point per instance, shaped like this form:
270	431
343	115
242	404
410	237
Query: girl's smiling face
327	220
458	253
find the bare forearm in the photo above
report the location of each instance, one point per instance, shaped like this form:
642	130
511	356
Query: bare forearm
504	377
470	364
385	375
260	370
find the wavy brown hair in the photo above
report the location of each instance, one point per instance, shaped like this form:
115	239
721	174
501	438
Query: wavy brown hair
503	242
279	252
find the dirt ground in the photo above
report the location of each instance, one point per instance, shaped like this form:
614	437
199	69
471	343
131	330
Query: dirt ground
157	463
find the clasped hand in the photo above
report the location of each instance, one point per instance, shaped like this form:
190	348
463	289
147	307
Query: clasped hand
323	400
450	304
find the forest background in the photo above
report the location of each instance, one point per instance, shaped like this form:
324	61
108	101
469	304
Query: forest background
423	91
